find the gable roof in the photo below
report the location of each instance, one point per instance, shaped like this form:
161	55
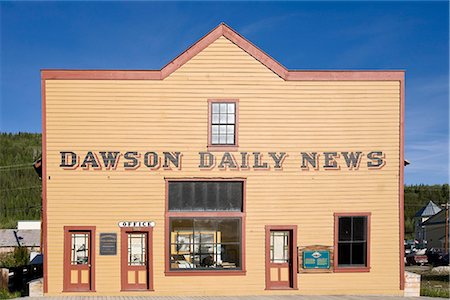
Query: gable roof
428	210
227	32
438	218
17	237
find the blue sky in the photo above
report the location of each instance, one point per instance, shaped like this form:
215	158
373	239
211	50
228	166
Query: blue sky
413	36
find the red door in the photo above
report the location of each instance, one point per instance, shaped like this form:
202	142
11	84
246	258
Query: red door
78	260
280	258
136	259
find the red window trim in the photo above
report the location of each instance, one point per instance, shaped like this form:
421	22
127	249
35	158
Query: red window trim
66	253
338	269
215	147
124	257
168	215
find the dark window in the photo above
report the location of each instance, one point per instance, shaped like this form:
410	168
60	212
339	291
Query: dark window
352	241
205	195
223	123
205	243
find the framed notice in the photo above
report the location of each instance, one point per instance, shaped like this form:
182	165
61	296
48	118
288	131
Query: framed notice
108	244
315	259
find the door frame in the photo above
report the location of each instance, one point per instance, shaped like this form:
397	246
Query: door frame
293	255
66	257
124	258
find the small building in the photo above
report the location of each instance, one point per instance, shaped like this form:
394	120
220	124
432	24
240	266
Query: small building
223	173
13	238
29	225
434	230
421	216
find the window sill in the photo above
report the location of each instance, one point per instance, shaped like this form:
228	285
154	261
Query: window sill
351	270
222	148
206	273
281	288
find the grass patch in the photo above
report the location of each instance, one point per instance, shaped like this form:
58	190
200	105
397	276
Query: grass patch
435	286
5	294
434	292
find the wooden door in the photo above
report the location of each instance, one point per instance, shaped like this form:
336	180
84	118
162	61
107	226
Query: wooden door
280	258
136	260
79	262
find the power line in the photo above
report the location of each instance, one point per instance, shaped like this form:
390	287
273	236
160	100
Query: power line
21	188
12	166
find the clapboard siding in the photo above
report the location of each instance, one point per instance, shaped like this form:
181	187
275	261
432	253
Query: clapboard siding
274	115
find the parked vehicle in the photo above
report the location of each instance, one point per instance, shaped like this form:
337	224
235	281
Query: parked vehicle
437	257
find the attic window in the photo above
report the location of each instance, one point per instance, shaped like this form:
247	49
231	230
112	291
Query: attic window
223	123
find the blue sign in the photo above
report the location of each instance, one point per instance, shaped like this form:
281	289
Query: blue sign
316	259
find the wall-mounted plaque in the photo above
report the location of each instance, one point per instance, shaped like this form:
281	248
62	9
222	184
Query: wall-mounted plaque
315	259
108	243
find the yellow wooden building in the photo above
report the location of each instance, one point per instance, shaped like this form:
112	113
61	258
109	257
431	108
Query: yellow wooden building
223	173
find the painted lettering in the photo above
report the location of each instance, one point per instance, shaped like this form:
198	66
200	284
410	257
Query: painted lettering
207	160
151	160
228	160
258	162
310	159
132	162
376	160
278	159
330	160
172	158
91	160
352	160
110	159
65	157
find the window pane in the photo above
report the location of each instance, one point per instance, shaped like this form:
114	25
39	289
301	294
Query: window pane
205	243
230	139
344	254
359	253
223	119
215	129
214	139
80	251
345	225
137	249
223	108
204	226
279	246
215	118
215	107
223	129
231	109
230	129
231	119
222	139
359	228
230	230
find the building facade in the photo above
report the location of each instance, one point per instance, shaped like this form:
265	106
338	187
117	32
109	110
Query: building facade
223	173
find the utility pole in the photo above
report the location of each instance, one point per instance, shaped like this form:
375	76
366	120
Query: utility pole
446	205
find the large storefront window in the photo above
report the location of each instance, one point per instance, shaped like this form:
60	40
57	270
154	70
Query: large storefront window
203	243
205	225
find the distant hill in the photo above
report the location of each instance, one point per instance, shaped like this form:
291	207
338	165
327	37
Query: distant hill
20	187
